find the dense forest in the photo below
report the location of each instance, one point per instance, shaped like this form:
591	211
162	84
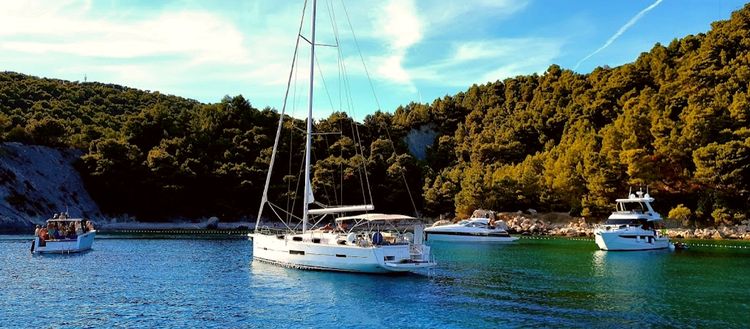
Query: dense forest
675	120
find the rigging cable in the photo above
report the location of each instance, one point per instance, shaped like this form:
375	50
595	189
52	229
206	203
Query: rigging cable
359	149
377	102
264	198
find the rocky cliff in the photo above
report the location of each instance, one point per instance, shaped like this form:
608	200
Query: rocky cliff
38	181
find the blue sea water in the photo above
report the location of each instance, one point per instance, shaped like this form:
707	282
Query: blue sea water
197	282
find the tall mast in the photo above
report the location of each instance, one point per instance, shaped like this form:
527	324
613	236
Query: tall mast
308	190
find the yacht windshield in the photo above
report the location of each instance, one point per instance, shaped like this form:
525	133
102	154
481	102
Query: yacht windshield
620	222
637	207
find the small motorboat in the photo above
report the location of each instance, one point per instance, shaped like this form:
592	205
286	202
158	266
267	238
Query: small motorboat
677	245
64	235
474	229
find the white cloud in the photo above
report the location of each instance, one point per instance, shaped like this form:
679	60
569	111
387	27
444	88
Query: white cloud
198	36
205	51
152	49
404	25
448	10
401	24
480	61
400	27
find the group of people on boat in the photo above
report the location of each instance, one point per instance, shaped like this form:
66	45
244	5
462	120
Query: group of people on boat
62	230
340	227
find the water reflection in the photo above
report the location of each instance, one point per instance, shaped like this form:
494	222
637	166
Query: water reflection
629	281
340	296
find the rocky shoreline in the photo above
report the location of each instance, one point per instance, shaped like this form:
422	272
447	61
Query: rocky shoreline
579	227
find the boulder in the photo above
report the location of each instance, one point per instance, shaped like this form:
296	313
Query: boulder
716	235
212	223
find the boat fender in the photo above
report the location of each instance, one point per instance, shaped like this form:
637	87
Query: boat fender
377	238
32	246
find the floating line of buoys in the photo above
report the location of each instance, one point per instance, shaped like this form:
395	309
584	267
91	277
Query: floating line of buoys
552	237
703	245
712	245
192	232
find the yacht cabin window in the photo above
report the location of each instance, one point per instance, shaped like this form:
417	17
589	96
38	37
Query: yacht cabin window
636	207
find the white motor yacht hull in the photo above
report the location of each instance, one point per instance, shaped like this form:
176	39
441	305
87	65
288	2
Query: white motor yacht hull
284	251
63	246
471	230
442	236
627	240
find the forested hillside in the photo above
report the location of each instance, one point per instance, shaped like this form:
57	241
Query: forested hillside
675	120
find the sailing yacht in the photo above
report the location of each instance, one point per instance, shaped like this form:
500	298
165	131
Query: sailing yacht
362	241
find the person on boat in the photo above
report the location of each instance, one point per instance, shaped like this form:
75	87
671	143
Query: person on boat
36	230
79	228
52	231
62	231
43	236
327	228
491	221
89	226
71	232
342	226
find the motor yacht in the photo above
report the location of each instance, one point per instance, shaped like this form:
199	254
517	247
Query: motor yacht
632	226
64	235
474	229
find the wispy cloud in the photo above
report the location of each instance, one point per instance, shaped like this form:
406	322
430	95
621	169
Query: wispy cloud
401	28
405	25
168	34
619	32
480	61
164	50
448	10
205	51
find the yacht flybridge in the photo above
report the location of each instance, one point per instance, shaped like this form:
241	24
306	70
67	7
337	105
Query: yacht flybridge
631	226
365	242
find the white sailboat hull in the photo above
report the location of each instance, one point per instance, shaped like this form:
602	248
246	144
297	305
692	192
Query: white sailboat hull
82	243
630	240
283	251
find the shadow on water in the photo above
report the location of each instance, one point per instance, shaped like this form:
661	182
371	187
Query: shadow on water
55	255
349	299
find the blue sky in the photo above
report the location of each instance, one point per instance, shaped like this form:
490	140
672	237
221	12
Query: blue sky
415	50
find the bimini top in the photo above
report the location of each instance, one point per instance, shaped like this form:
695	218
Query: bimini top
68	220
373	217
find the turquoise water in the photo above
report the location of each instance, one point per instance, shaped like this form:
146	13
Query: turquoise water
211	283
